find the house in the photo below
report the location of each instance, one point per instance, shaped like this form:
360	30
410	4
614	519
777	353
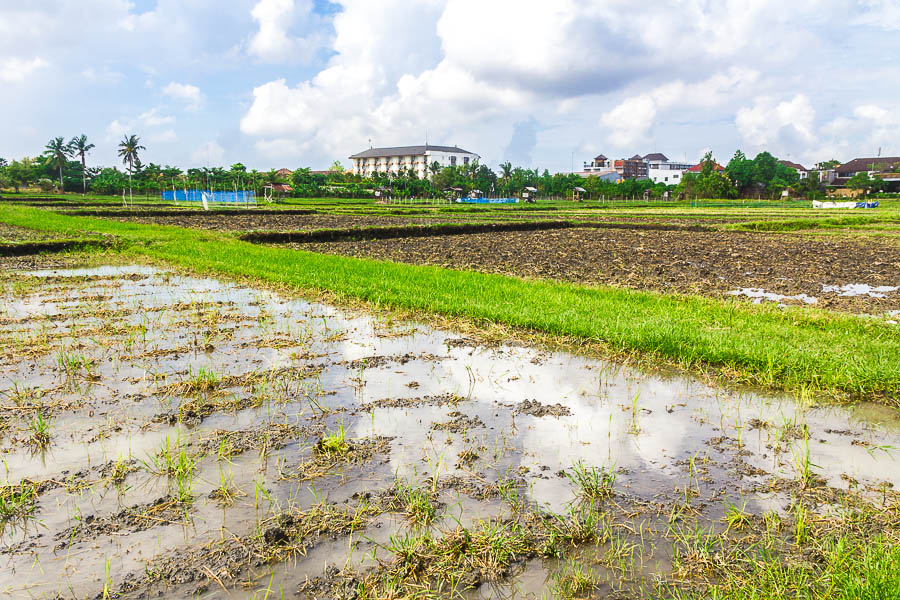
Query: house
600	164
284	173
872	166
699	168
631	168
661	170
884	167
802	171
417	158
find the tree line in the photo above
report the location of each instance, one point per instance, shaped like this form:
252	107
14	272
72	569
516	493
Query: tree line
63	167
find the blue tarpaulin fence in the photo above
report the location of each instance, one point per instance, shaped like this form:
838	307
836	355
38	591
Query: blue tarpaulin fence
486	200
239	197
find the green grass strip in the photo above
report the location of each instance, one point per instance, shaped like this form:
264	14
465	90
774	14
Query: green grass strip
820	223
794	349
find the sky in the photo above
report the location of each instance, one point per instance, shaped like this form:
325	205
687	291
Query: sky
541	83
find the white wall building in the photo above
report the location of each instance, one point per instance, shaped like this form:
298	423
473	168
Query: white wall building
417	158
600	164
661	170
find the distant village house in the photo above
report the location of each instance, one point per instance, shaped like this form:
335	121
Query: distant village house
417	158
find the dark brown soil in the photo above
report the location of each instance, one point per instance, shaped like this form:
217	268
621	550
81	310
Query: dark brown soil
536	409
709	263
163	511
271	222
12	233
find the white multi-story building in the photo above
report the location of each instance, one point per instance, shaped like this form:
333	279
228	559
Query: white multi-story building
661	170
600	164
417	158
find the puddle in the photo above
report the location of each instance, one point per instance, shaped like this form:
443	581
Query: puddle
250	390
860	289
758	295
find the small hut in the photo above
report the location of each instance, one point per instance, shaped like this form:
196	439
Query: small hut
578	194
276	192
529	194
383	194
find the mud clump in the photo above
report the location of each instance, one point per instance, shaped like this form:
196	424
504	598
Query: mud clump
163	511
536	409
433	400
328	456
459	423
273	436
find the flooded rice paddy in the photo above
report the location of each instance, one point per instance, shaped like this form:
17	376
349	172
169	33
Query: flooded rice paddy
165	435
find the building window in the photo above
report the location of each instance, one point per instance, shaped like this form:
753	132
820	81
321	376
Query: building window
452	161
465	160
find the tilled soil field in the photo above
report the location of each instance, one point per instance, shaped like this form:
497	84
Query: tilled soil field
835	273
271	222
11	233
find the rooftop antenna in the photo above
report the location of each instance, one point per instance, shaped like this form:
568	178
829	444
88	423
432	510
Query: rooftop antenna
879	151
370	143
426	137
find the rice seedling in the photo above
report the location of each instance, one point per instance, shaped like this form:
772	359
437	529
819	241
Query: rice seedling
805	466
17	500
39	431
594	483
801	524
107	580
334	442
202	381
572	580
736	515
172	459
635	409
418	506
508	488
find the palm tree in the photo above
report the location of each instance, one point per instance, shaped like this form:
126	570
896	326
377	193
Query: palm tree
128	150
58	151
507	170
80	147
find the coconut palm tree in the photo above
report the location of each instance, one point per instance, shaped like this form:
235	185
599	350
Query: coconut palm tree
80	147
58	151
507	170
128	150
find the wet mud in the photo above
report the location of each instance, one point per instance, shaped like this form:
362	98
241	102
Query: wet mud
170	436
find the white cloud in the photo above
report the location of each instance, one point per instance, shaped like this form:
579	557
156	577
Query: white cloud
767	122
209	153
870	127
103	74
16	70
400	68
152	118
189	94
630	122
117	128
590	73
273	42
879	13
166	136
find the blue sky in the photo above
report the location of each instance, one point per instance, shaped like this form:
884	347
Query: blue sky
288	83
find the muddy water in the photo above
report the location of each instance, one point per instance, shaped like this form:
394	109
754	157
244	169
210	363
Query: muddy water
123	361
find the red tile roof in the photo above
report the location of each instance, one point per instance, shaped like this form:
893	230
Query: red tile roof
793	165
699	168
